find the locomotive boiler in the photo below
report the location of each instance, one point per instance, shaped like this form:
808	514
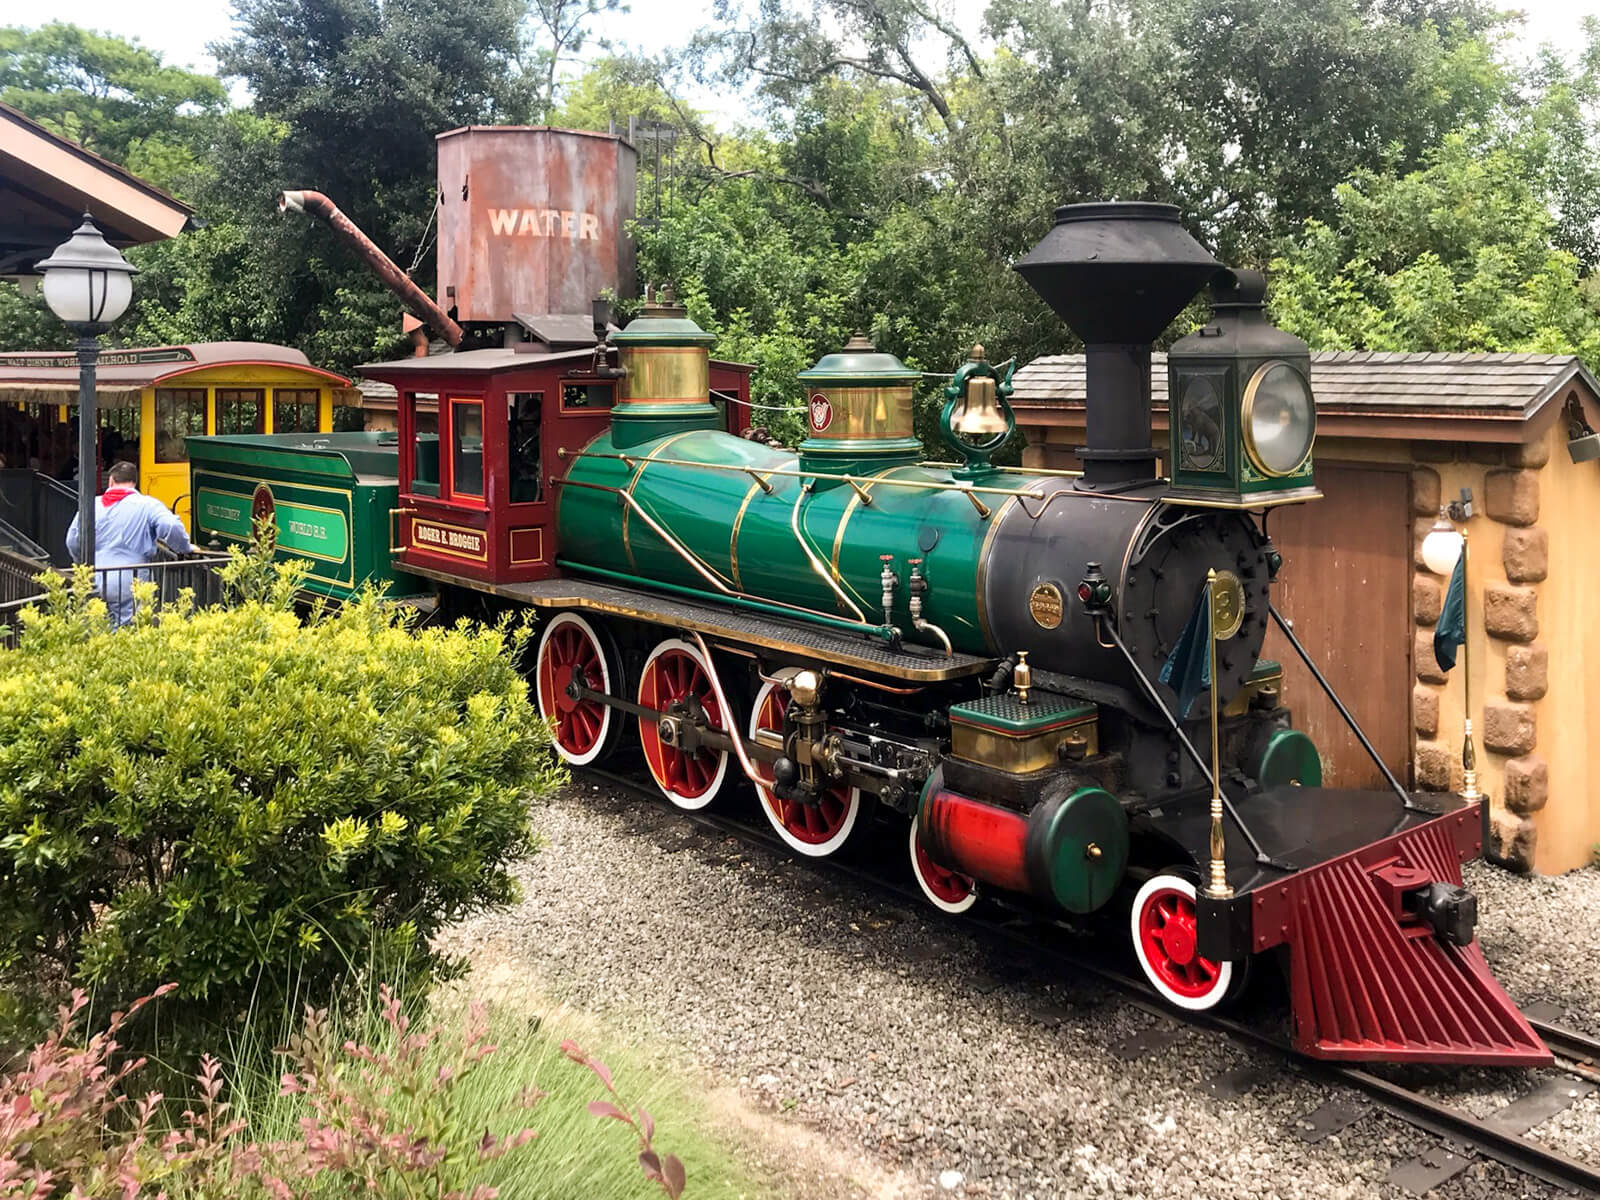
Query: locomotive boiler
997	659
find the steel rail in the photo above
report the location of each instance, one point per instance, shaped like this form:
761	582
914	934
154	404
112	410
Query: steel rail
1420	1111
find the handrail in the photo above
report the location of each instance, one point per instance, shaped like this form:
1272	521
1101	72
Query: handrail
1305	657
817	565
710	575
855	481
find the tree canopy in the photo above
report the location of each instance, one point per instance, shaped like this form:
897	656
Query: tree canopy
1408	182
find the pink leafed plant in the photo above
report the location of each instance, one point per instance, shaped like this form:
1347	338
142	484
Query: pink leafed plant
663	1169
381	1117
67	1123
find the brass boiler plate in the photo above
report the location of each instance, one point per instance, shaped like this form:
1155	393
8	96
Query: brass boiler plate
1227	605
1045	605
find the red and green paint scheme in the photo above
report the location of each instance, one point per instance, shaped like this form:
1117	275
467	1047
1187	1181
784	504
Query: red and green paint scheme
329	494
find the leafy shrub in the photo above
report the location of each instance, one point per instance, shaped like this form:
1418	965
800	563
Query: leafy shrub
236	802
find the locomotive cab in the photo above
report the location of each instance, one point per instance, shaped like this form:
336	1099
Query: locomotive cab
483	435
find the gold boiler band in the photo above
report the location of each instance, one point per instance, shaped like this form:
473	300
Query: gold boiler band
664	375
866	412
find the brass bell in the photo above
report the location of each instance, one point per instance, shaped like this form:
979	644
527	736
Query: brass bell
977	411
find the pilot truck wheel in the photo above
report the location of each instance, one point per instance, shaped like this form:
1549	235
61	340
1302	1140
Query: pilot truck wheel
1163	924
949	891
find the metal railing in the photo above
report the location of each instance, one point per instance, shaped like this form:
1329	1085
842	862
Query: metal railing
171	574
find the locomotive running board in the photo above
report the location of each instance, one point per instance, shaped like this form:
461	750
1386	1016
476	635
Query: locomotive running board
1367	984
915	664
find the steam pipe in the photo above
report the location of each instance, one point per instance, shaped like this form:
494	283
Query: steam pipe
422	306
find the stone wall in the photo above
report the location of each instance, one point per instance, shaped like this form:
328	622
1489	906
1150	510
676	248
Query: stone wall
1508	560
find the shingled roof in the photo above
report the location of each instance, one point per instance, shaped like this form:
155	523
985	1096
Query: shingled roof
1365	382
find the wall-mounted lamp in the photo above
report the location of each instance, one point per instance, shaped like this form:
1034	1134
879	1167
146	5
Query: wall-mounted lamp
1583	443
1442	546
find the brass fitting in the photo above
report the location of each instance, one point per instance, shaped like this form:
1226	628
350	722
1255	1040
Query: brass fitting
804	688
1022	677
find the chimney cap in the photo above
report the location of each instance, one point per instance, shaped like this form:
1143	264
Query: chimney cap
1117	271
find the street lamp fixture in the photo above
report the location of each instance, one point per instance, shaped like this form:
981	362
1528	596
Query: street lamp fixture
88	285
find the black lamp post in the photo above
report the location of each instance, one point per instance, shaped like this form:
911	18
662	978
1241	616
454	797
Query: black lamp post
87	284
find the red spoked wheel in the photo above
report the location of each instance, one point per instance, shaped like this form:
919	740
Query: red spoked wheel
947	890
582	728
673	673
1164	926
815	830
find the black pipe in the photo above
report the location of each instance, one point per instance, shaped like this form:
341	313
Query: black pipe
1405	797
1262	857
1117	414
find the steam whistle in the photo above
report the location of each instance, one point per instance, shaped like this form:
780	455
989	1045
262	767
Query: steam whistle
601	311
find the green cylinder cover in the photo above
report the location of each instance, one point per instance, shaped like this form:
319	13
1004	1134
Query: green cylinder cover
1290	758
1077	849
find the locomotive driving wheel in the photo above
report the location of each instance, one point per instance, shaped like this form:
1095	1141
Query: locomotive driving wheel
676	681
947	890
815	830
1164	926
571	650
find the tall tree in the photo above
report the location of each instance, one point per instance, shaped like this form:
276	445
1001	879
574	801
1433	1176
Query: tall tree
109	95
1458	255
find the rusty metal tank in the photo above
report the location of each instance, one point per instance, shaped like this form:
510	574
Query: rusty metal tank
532	220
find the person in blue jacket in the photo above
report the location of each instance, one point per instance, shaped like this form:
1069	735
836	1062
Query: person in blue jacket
127	525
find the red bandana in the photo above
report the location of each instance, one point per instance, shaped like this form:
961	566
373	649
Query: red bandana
113	494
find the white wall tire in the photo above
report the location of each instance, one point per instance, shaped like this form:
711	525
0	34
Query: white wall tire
815	831
674	669
1162	927
581	730
948	891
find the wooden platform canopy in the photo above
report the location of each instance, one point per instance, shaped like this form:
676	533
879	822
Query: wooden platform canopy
48	182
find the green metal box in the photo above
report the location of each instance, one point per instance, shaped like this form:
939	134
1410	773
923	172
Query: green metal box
332	496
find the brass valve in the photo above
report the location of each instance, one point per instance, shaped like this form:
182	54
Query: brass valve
1022	677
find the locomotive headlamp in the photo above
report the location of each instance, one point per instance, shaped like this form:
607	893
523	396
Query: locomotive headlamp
1280	419
1243	418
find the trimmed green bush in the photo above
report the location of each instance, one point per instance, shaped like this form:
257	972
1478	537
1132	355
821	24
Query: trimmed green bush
245	804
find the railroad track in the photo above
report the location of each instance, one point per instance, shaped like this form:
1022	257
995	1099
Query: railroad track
1461	1133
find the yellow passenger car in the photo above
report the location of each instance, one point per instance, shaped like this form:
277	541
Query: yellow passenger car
150	399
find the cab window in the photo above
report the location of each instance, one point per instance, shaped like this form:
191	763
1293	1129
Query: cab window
584	397
422	408
466	448
522	438
180	413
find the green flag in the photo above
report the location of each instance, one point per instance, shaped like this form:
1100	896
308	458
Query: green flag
1452	628
1188	668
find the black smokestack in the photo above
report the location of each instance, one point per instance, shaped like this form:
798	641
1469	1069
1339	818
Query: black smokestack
1117	273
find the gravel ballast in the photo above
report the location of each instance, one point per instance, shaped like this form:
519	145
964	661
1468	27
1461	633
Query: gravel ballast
951	1062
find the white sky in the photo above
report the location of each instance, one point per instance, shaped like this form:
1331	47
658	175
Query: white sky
182	29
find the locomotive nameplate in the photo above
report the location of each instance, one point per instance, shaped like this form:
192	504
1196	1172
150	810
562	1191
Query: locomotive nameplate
1045	606
1227	605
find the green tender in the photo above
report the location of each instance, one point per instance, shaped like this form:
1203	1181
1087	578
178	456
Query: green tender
331	495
